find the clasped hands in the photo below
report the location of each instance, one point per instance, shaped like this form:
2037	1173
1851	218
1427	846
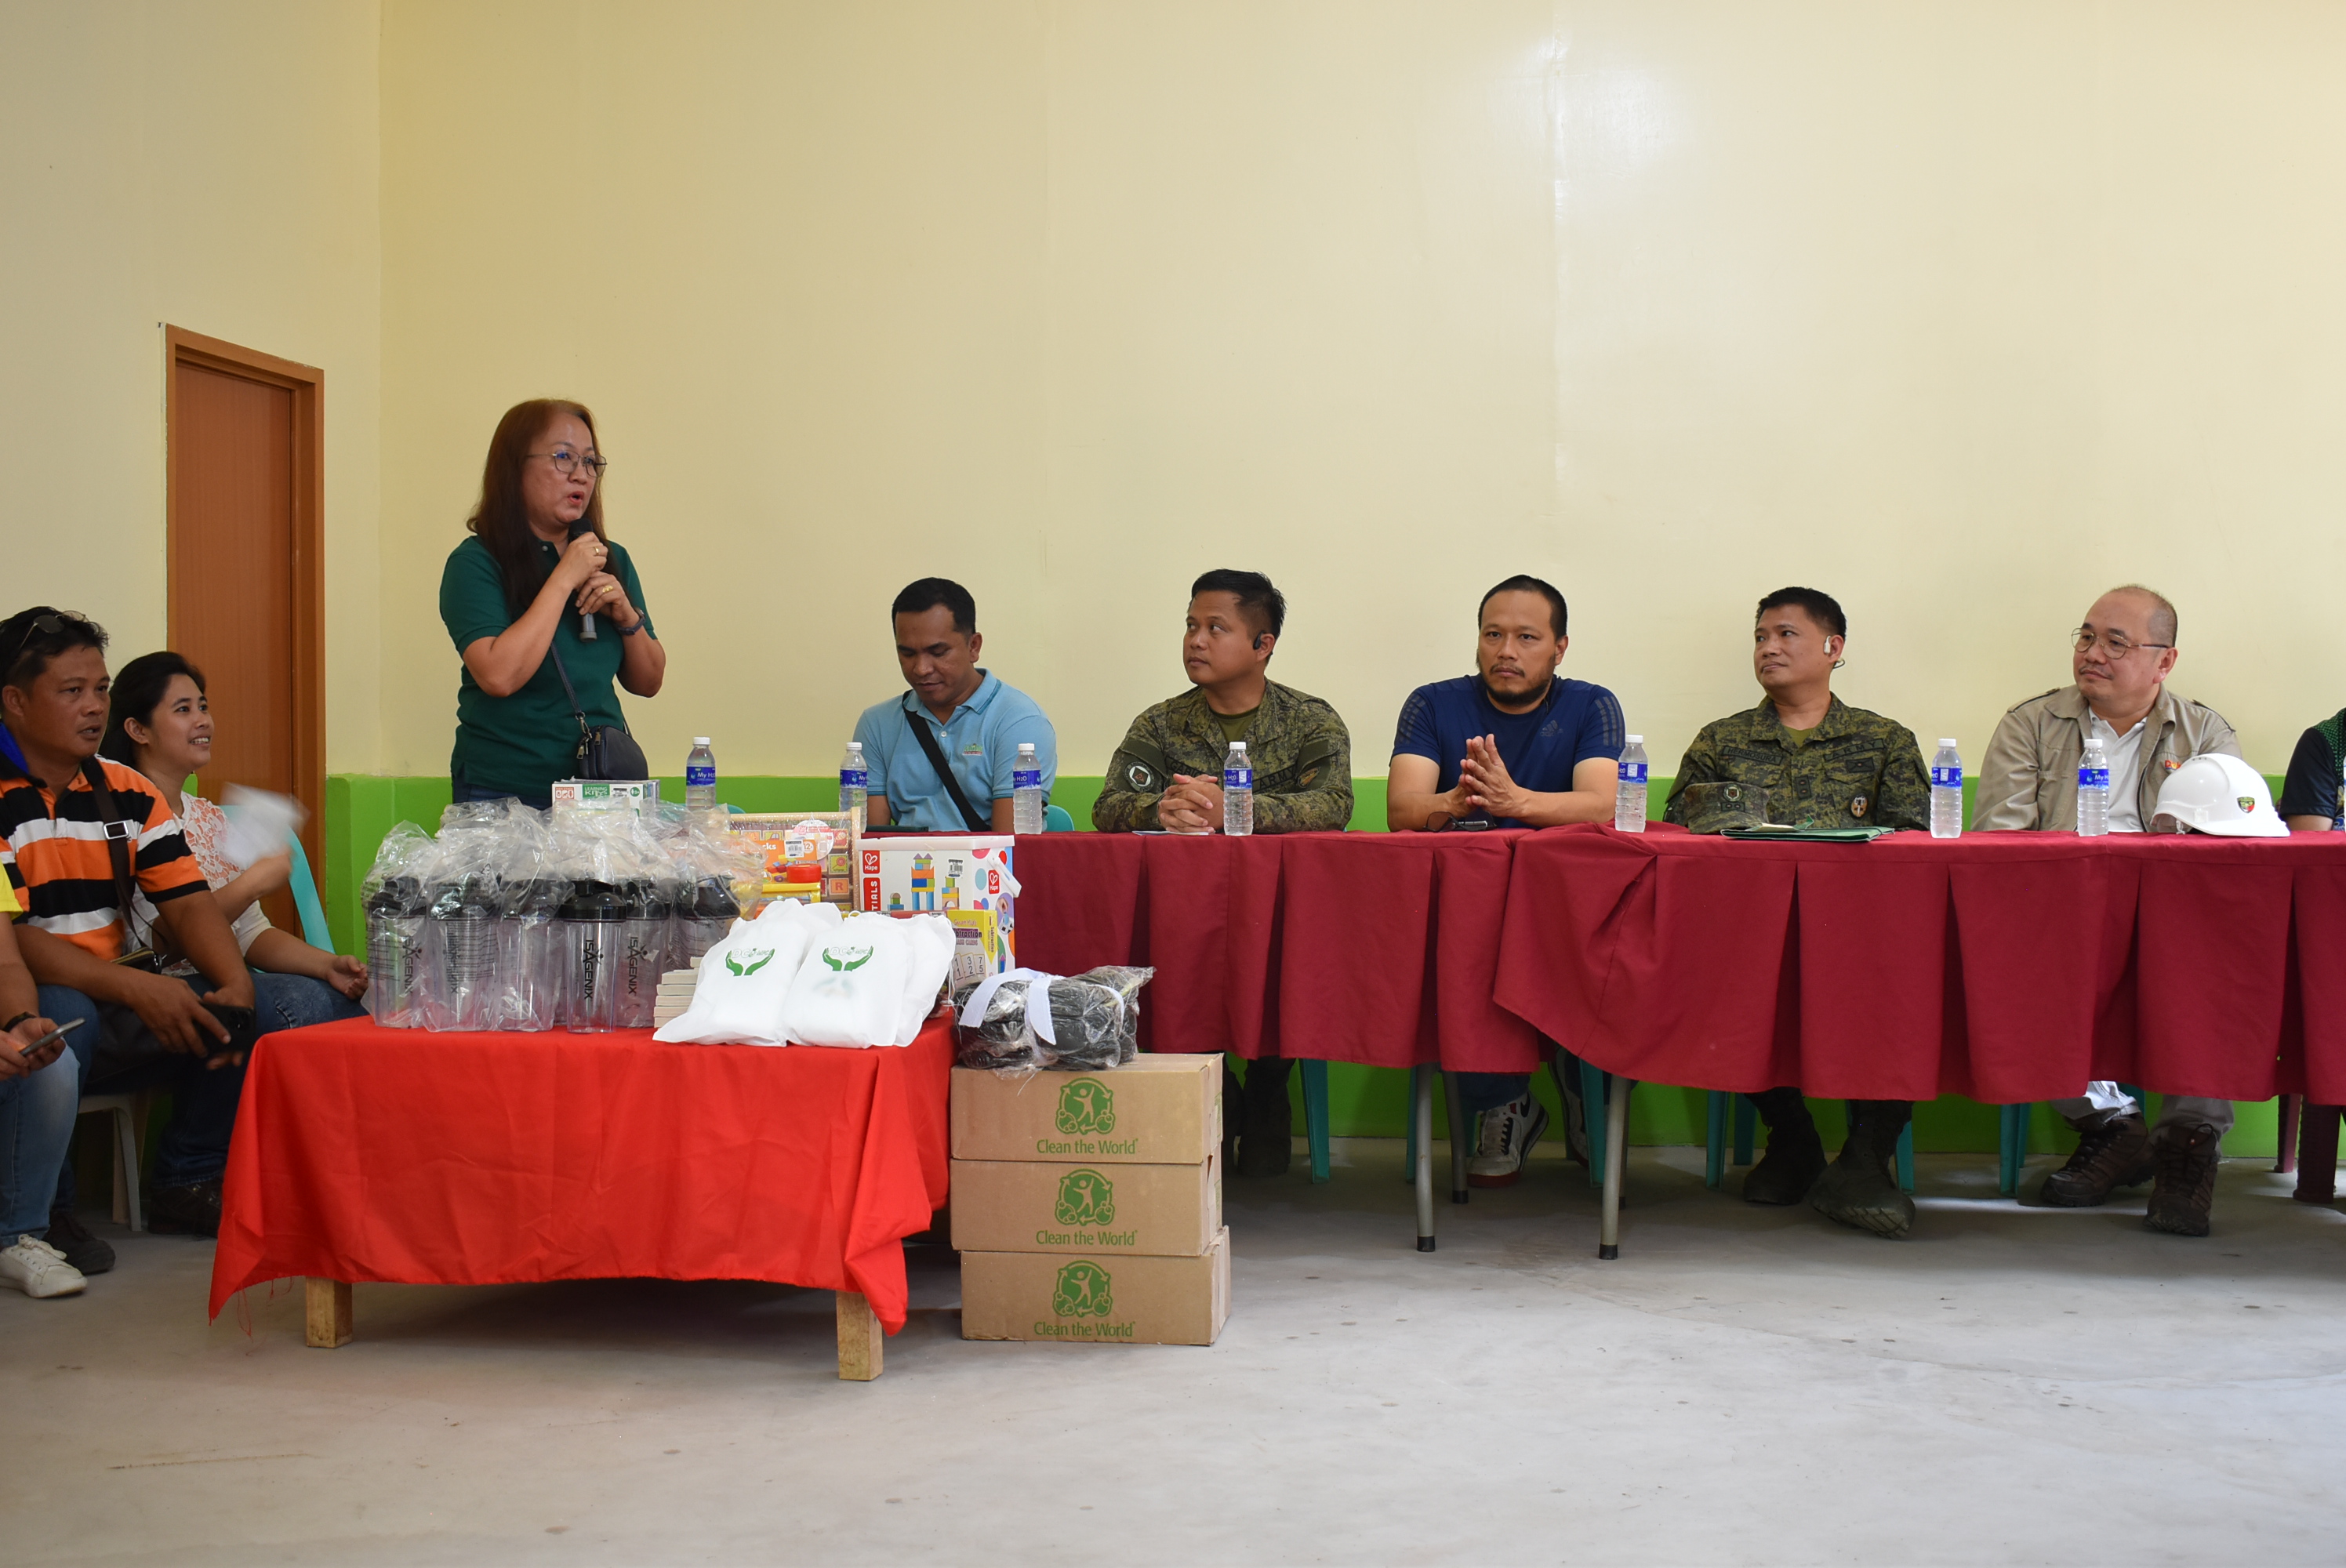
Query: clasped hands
1485	786
1193	805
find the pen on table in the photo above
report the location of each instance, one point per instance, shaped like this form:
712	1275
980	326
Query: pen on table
53	1037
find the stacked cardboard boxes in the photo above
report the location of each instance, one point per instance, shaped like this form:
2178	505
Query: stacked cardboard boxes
1088	1206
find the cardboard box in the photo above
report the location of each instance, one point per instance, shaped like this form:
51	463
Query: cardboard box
1030	1205
1096	1299
639	795
981	946
946	874
1154	1110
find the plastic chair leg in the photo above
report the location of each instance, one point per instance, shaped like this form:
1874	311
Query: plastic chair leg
1906	1157
1747	1122
1315	1115
1713	1156
1421	1123
1461	1136
2317	1155
2011	1146
1595	1096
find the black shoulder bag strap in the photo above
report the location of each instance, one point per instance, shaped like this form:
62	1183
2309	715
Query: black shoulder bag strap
121	842
605	750
936	757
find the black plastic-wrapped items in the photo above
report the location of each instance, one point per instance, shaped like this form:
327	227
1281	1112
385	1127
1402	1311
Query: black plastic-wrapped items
1092	1020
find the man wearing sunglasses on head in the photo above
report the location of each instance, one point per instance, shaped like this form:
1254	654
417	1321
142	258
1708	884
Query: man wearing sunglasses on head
2121	659
68	853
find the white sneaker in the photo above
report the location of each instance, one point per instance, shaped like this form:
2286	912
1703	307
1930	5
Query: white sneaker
38	1269
1508	1136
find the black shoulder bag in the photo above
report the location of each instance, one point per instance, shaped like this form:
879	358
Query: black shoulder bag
605	750
936	757
121	835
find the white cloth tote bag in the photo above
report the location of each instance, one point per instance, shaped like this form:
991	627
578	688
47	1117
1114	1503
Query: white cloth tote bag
739	995
871	981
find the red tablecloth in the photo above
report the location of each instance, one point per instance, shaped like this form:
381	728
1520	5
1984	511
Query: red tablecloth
1378	948
2002	966
481	1159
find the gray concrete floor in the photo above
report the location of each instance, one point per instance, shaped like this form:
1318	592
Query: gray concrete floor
2011	1384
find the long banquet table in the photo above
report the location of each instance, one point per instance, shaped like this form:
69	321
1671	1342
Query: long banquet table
2007	967
2002	966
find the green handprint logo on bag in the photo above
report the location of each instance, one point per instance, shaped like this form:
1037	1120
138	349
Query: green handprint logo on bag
749	961
857	957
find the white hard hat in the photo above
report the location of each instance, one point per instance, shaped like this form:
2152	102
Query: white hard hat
2218	794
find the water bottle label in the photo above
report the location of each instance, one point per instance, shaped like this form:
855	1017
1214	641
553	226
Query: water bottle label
1632	772
1026	779
852	778
2093	777
694	777
1238	778
1946	778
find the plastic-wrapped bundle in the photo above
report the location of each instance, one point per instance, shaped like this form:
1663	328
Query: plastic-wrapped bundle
488	865
1026	1019
393	895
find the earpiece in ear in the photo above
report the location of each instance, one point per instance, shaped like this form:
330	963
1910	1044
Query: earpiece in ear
1257	640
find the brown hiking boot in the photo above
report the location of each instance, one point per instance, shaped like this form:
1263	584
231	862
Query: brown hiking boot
2113	1151
2186	1186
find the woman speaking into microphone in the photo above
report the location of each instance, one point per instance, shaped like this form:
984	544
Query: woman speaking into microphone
536	594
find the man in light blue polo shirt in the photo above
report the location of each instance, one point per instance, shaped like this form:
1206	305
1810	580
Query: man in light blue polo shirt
975	722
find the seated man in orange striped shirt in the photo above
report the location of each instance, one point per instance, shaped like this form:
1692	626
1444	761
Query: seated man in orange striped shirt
141	1029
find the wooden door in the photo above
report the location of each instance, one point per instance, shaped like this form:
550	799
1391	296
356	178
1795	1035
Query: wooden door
247	576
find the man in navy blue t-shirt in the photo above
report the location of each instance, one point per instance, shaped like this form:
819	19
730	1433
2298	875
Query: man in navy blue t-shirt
1511	745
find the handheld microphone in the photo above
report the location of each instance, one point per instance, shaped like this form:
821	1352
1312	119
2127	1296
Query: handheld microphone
587	633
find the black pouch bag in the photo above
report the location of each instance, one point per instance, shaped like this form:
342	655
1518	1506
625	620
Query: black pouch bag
605	750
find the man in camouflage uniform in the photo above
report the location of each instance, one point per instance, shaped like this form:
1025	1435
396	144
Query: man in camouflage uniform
1167	775
1823	764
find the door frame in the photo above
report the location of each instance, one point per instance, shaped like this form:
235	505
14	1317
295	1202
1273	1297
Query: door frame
308	385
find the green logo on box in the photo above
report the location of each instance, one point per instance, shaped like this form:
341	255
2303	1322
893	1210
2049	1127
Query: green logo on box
1087	1197
1082	1291
1087	1108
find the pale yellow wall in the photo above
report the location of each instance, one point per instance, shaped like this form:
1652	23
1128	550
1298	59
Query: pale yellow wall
1963	311
214	166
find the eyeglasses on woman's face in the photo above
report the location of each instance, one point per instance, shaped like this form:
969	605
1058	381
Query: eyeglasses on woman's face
568	460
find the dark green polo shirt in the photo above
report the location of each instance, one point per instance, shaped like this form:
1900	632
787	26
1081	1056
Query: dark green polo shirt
524	742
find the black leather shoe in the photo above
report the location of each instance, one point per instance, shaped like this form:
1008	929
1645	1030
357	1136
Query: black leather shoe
2113	1151
191	1210
83	1250
1793	1160
2185	1188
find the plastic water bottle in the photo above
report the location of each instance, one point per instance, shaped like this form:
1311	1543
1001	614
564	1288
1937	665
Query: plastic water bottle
1238	791
1629	788
1027	791
852	779
2093	790
701	777
1947	792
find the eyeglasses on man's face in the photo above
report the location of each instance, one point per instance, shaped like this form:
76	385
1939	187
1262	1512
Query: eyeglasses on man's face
568	462
42	627
2083	638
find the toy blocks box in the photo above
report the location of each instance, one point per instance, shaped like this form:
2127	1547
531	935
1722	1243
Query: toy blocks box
1096	1298
948	875
1156	1109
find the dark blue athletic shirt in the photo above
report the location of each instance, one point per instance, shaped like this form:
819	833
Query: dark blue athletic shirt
1577	722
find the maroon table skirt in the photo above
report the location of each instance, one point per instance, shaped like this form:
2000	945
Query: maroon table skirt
2002	966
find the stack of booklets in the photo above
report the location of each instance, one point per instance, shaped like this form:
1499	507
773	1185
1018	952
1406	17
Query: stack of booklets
675	996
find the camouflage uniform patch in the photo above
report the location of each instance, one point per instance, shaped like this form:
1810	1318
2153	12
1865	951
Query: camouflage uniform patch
1858	770
1301	753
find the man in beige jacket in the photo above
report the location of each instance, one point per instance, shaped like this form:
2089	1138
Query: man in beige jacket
2125	652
